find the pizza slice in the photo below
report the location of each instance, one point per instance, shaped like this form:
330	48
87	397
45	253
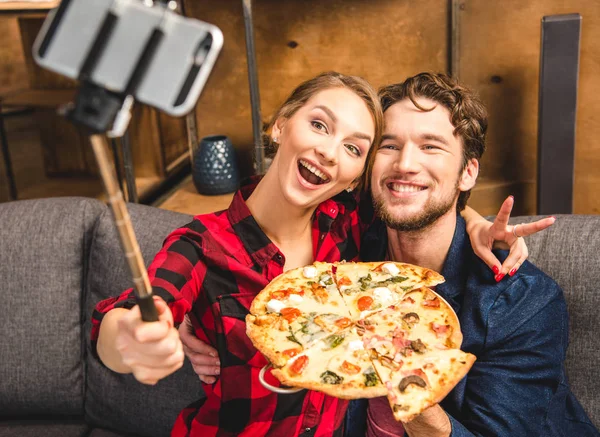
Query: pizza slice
337	365
369	287
420	322
422	381
283	335
309	289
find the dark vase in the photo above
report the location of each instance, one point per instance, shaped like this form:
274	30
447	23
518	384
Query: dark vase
215	169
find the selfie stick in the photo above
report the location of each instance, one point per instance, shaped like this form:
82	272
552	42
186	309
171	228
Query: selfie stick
105	113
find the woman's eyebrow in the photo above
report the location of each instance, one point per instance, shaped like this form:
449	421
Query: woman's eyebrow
333	118
327	111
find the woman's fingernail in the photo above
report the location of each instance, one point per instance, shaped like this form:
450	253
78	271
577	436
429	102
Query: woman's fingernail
496	270
512	272
217	363
217	371
212	354
499	277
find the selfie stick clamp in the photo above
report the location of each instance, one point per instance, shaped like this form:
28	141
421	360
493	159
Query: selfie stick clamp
105	111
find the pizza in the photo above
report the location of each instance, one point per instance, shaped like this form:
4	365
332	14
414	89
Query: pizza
361	330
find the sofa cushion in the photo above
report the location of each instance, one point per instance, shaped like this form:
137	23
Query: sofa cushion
42	255
119	402
46	428
569	252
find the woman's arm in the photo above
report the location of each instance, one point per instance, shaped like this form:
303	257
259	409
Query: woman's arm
484	234
149	350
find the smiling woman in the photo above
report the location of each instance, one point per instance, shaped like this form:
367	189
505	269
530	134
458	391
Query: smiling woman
217	264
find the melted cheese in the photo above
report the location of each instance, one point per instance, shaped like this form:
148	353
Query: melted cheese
309	272
295	299
390	268
275	306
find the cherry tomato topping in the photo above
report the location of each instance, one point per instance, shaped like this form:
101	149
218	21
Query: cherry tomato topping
364	303
299	365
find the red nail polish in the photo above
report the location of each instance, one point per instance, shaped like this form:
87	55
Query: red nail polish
499	277
512	272
496	270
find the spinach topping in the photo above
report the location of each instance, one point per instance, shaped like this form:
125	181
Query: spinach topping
371	379
328	377
304	328
292	337
365	281
325	279
334	340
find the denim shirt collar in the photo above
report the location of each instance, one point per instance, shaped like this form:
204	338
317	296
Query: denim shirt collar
457	263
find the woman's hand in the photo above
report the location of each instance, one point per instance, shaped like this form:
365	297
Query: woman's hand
484	235
150	350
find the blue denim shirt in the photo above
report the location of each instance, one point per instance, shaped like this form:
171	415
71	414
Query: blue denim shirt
518	330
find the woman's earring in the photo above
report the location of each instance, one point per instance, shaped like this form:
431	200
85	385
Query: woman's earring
276	140
350	189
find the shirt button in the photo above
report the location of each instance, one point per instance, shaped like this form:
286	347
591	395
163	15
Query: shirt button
307	430
278	257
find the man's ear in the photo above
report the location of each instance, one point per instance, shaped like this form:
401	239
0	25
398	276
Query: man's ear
469	175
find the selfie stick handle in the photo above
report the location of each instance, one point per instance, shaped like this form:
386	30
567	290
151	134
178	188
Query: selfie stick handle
124	227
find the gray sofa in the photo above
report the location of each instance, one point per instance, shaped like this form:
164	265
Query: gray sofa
58	257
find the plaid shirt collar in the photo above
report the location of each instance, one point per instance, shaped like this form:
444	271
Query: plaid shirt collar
260	248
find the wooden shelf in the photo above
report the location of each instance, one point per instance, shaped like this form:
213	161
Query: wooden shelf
38	98
28	6
187	200
488	195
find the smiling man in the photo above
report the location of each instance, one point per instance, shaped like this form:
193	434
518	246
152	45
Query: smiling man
517	327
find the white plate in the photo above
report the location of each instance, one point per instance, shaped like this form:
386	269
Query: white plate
280	390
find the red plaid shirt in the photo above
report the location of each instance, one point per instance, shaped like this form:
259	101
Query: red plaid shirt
213	268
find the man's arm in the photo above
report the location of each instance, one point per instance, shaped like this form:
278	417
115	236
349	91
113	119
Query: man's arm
204	358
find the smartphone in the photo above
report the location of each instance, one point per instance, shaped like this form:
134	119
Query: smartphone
131	47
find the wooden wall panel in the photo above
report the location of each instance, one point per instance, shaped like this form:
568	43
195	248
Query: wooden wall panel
39	78
13	73
499	56
384	41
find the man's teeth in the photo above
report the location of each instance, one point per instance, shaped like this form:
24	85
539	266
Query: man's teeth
314	170
402	188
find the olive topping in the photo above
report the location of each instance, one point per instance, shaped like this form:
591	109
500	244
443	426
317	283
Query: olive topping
411	379
329	377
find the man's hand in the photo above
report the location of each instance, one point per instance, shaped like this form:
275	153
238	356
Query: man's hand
484	235
204	358
433	422
150	350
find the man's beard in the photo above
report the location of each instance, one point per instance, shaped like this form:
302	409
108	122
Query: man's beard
433	210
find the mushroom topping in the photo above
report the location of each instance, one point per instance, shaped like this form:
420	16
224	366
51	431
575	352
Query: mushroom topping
411	319
418	346
411	379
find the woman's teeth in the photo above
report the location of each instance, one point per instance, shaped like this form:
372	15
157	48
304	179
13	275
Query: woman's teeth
315	171
402	188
